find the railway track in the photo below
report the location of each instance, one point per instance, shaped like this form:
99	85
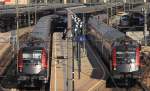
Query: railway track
8	65
101	70
32	89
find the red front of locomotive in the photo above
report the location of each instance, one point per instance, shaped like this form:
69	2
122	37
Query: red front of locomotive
126	58
32	64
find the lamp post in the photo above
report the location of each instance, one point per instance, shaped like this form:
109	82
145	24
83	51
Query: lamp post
17	24
70	71
105	2
45	2
132	4
111	9
28	13
146	33
115	7
65	1
124	1
17	30
35	14
129	4
85	1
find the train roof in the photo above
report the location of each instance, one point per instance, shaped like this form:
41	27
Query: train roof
24	49
108	33
43	27
126	42
62	12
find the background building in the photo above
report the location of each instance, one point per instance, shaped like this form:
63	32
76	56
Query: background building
12	2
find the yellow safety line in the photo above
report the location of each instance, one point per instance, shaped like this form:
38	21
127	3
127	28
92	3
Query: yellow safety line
98	83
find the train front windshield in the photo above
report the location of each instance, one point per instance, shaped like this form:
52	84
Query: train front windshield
33	57
125	55
125	18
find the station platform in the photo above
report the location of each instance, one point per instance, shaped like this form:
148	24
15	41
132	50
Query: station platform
92	75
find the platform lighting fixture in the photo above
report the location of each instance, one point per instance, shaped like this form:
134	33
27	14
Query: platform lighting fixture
45	2
78	18
124	1
81	24
105	1
75	18
142	10
78	22
75	29
72	16
75	21
85	1
76	25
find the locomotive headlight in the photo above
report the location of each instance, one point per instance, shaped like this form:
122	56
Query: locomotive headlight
23	78
115	68
41	78
129	61
132	60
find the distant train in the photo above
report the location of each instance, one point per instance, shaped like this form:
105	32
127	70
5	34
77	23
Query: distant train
124	20
60	23
120	53
34	55
137	19
133	19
